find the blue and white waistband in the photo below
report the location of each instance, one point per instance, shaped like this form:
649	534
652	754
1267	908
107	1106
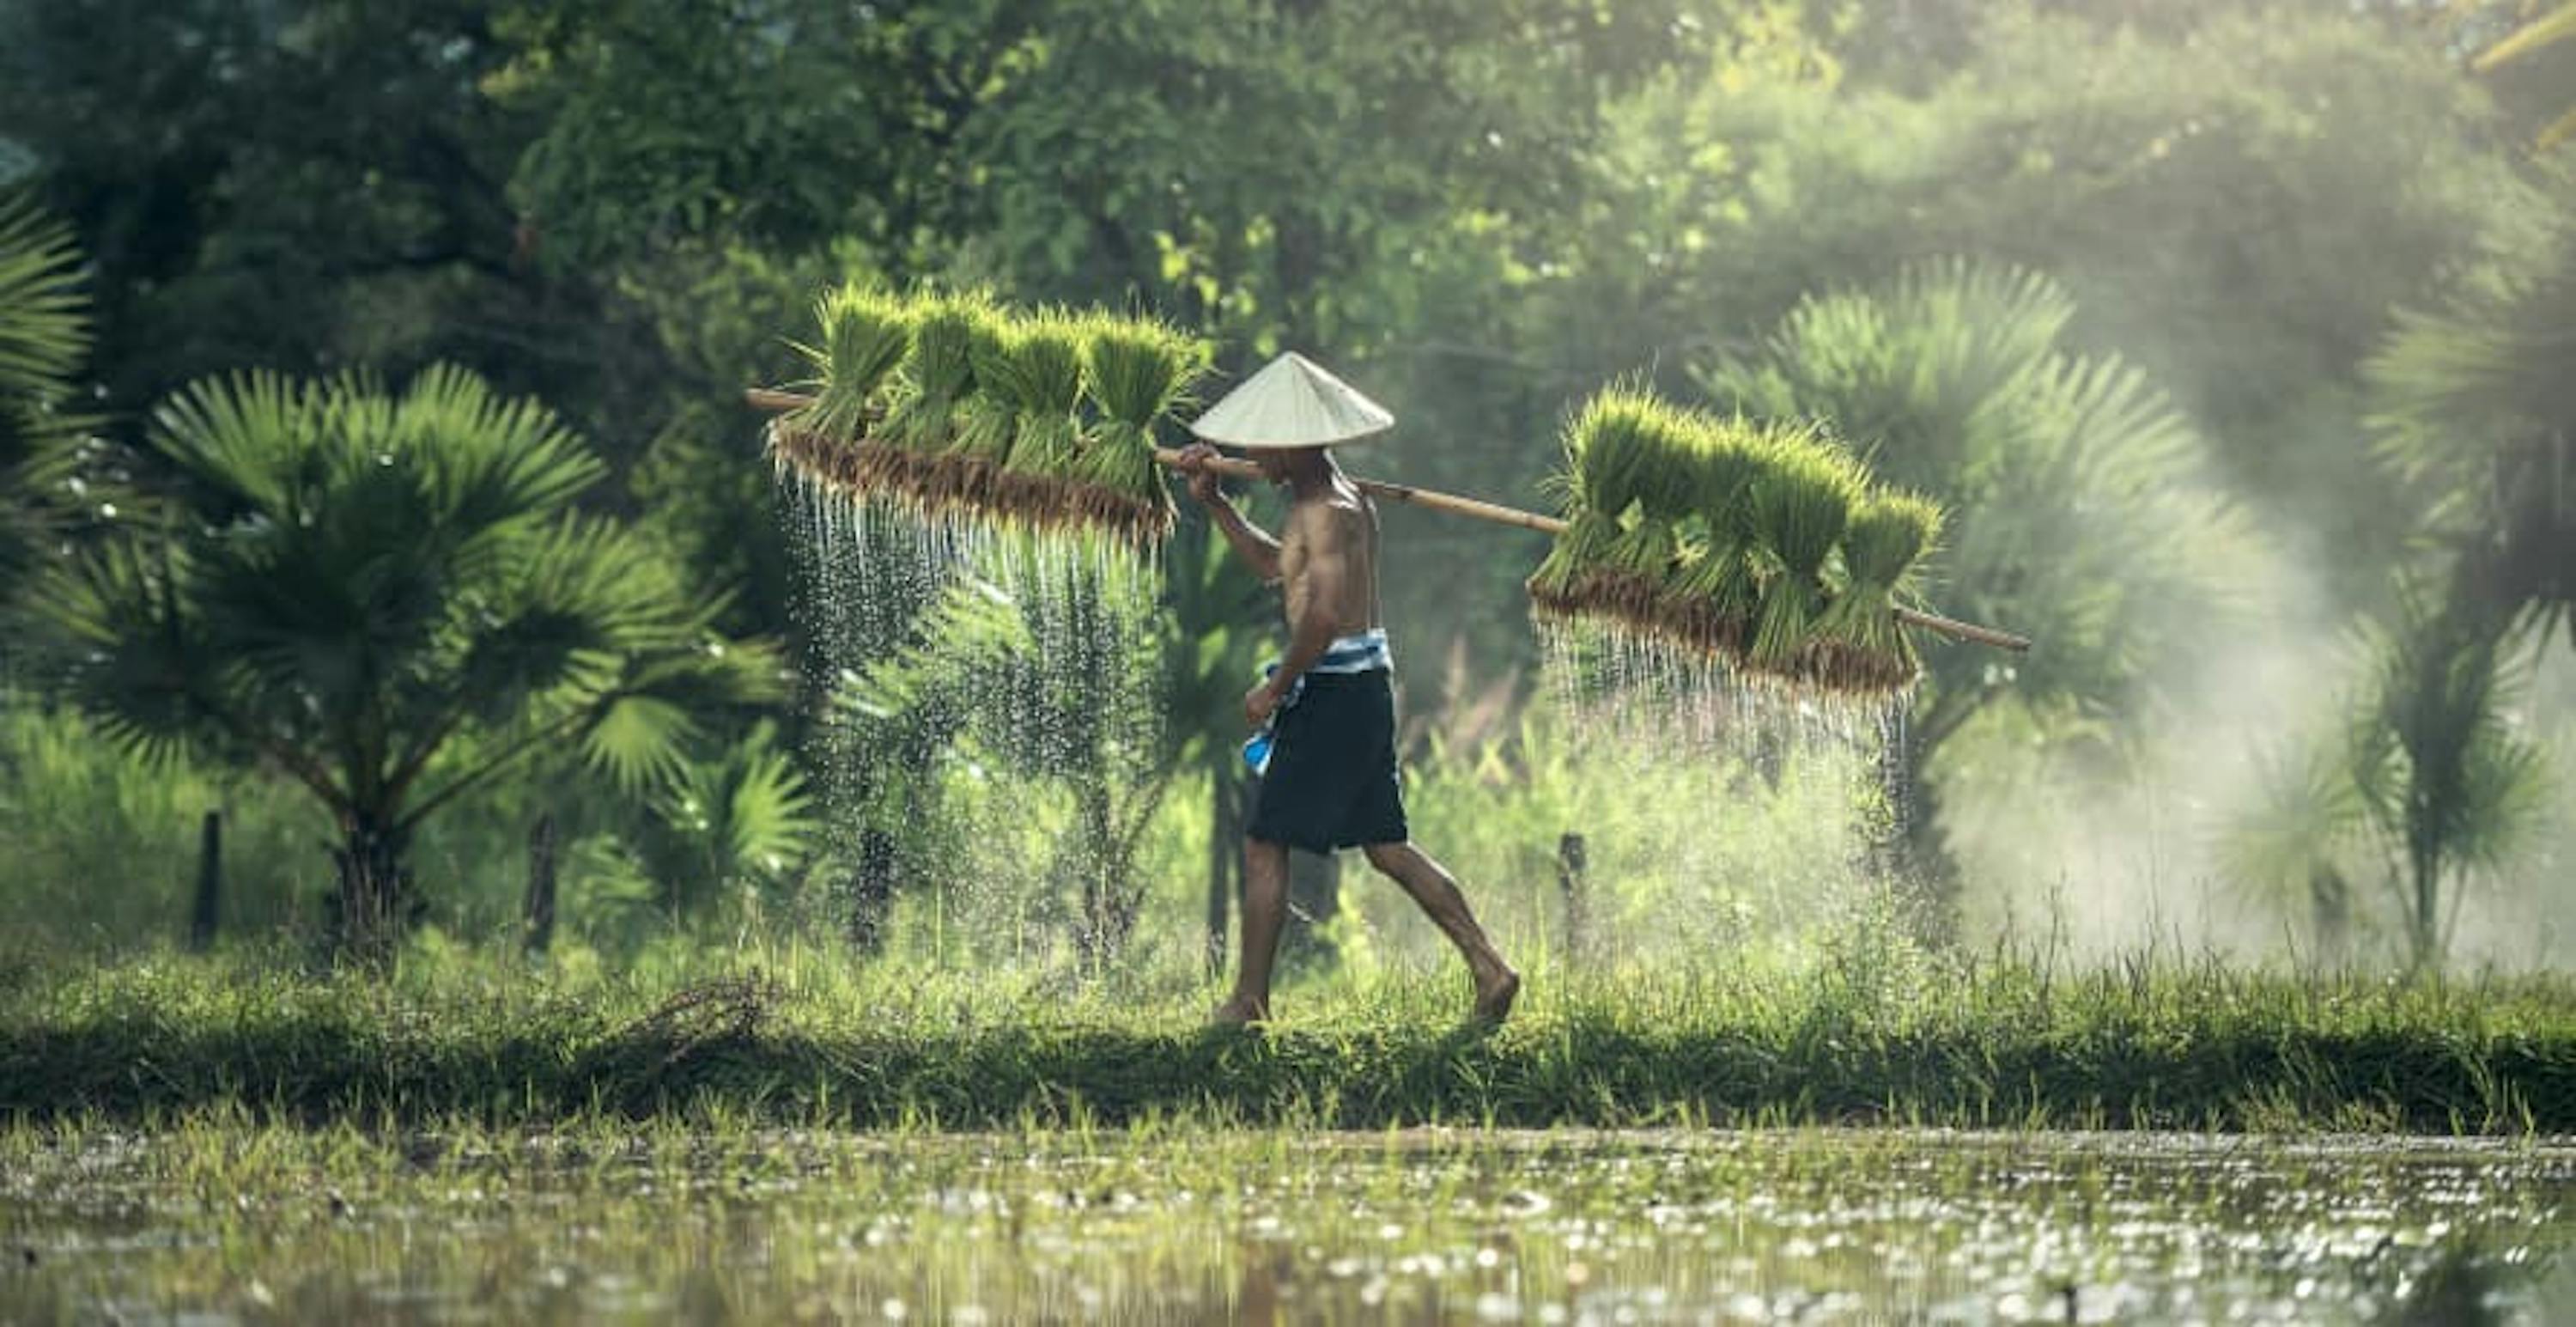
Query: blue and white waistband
1363	652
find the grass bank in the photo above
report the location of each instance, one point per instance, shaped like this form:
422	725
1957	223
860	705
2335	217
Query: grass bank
804	1037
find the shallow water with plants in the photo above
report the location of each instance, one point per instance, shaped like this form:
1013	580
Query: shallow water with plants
216	1219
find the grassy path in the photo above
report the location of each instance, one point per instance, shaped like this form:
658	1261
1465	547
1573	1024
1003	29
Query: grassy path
793	1039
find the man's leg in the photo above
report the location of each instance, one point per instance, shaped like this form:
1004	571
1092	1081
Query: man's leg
1265	911
1437	892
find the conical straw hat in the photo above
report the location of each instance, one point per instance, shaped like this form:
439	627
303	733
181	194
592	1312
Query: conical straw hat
1292	402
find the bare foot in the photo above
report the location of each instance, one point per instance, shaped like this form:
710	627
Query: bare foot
1495	992
1240	1012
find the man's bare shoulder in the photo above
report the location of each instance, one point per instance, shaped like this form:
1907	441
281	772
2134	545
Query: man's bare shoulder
1330	518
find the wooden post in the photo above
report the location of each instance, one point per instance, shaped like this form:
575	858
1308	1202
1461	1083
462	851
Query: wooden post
1572	860
1225	857
207	912
540	922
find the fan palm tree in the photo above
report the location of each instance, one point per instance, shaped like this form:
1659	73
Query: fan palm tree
2302	836
389	599
2074	487
2446	780
44	333
737	816
2476	406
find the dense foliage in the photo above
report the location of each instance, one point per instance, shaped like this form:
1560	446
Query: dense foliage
2180	310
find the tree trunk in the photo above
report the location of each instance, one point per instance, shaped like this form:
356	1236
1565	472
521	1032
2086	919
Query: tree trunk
1225	855
206	911
872	891
2424	927
1573	860
538	921
1108	914
2330	910
375	904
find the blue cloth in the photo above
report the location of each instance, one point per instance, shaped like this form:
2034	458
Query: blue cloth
1366	652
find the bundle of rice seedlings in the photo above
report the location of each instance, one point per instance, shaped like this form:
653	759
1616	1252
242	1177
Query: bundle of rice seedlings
1668	473
1634	570
1711	603
865	335
1612	449
1626	480
990	415
1576	556
973	434
1859	646
1045	383
1138	370
1799	510
938	375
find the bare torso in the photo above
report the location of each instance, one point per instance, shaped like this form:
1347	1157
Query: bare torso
1338	521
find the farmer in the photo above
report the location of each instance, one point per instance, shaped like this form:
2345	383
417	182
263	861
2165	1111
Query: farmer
1325	716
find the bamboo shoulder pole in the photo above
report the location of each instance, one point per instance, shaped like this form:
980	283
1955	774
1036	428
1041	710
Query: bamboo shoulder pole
1406	493
777	402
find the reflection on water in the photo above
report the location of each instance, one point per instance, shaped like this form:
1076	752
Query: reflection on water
1258	1227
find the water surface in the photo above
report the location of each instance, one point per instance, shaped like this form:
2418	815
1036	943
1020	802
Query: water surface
1182	1226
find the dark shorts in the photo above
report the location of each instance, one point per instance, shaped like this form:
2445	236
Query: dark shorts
1332	781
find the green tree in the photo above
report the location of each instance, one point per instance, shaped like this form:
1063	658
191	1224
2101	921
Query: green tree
2302	837
388	599
2448	782
736	818
2078	495
44	332
2476	418
2169	172
301	185
1041	685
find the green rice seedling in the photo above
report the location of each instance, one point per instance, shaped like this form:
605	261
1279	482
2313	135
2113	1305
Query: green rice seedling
1139	370
1667	476
990	415
1711	603
1634	569
939	374
1799	510
1627	451
865	335
982	418
1046	382
1609	447
1860	646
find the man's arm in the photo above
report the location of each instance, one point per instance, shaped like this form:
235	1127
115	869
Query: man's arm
1250	542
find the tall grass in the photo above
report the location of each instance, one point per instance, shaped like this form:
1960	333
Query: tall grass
102	849
801	1035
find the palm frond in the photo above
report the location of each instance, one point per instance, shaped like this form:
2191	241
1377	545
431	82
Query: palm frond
148	670
637	740
744	812
490	461
44	313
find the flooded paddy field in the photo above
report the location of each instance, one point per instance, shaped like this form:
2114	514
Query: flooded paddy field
609	1223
